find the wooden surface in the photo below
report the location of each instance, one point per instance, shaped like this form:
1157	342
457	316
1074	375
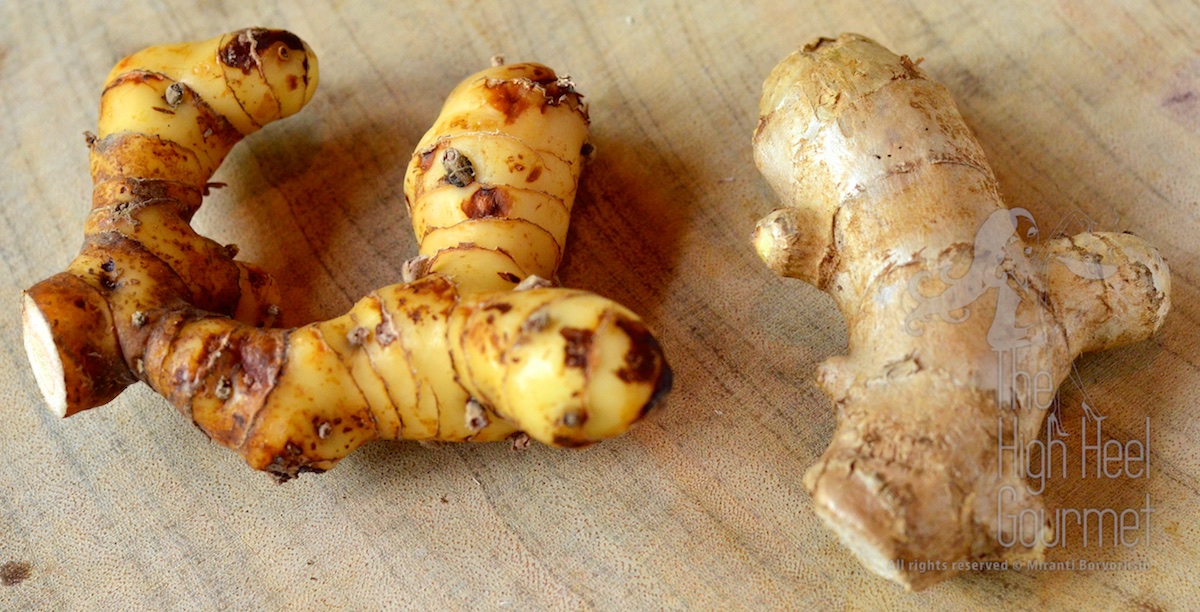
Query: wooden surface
1085	107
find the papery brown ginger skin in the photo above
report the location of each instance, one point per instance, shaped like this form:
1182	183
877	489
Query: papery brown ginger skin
892	209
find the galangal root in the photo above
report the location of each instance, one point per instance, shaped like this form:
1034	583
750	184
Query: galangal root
953	319
475	347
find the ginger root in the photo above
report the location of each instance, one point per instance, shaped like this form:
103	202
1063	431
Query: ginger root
894	212
455	354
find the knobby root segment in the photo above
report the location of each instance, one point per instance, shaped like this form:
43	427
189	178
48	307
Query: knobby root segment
893	210
455	354
168	116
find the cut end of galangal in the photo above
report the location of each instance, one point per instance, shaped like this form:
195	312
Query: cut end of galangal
43	356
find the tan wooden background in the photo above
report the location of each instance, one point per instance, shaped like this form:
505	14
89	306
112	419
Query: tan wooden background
1083	106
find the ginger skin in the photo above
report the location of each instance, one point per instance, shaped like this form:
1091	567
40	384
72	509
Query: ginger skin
455	354
893	211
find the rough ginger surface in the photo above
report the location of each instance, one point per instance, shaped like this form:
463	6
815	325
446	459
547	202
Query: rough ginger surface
892	209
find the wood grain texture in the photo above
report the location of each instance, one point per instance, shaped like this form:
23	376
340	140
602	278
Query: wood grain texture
1082	107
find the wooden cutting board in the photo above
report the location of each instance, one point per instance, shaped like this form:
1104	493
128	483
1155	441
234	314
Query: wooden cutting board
1087	110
